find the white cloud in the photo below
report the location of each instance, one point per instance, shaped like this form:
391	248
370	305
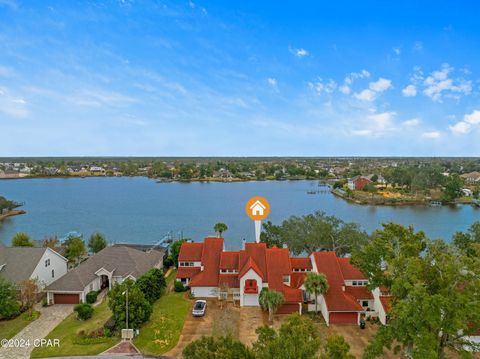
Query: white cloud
439	84
374	88
365	95
323	87
411	123
350	78
273	83
469	122
382	120
12	105
409	91
418	46
431	134
300	52
376	124
345	89
191	4
397	51
380	85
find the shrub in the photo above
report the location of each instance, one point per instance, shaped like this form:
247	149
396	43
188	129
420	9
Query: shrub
109	326
31	316
168	262
9	306
84	311
179	287
92	297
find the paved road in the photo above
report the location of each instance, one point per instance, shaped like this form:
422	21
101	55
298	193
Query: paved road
50	317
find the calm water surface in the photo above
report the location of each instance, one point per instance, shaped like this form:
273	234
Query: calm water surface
140	210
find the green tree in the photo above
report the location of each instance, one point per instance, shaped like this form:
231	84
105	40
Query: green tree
139	309
174	250
435	290
271	235
453	187
152	284
217	348
296	338
75	247
317	231
465	241
21	239
337	348
9	306
219	228
97	242
270	300
316	284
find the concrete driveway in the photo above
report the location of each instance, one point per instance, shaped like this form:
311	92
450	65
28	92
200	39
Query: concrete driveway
49	318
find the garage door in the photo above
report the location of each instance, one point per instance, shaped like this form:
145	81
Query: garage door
250	300
62	298
288	308
344	318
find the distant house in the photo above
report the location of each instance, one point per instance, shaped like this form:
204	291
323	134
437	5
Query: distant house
22	263
96	169
472	177
467	192
380	178
109	266
357	183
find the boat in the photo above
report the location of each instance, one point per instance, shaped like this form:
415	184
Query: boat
476	203
435	204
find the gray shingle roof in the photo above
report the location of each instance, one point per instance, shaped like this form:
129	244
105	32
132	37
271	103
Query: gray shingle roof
121	260
20	262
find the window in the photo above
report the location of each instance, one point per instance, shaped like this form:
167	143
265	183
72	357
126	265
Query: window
53	273
354	283
286	279
47	262
364	303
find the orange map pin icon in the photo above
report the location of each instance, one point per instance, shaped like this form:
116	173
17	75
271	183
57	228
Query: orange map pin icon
257	208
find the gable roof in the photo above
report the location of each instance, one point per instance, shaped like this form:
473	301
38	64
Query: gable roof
301	263
336	297
251	264
190	251
19	262
120	260
349	271
210	258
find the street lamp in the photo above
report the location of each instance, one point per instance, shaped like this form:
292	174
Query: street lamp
126	296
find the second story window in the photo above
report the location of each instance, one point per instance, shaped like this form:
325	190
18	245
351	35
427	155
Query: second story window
47	262
53	273
251	286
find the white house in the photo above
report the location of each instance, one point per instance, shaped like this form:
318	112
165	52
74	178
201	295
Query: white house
22	263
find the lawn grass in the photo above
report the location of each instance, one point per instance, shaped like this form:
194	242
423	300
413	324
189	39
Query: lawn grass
67	331
10	328
162	331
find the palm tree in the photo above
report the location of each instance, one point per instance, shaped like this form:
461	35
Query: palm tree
220	228
270	300
316	284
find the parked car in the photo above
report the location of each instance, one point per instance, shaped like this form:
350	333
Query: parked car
199	308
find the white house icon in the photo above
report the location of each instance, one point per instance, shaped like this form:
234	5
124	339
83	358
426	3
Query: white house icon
257	208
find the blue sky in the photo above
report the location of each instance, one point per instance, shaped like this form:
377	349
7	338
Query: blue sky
234	78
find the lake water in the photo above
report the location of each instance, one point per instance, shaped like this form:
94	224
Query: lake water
137	209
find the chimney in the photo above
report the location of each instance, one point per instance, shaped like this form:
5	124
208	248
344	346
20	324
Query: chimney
243	243
343	288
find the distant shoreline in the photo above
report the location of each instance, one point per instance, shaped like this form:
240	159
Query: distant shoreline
15	212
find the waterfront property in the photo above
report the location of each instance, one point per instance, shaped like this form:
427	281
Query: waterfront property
102	270
210	271
44	265
357	183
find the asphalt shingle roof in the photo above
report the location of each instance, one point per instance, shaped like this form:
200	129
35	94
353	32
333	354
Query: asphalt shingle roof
20	262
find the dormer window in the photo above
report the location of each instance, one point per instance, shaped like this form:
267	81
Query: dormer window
251	286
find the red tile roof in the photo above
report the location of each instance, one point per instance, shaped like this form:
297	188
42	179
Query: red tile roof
336	298
187	272
301	263
257	252
190	252
359	293
229	260
349	272
231	280
297	279
212	247
386	303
